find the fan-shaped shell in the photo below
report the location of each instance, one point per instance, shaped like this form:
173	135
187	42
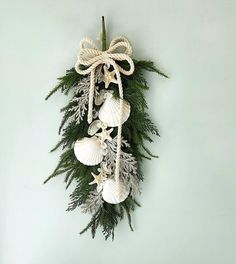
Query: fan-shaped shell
110	194
109	112
89	151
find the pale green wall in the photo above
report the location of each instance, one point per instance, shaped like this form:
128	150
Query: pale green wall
188	212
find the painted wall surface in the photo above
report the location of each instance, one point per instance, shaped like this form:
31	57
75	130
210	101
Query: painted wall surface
188	213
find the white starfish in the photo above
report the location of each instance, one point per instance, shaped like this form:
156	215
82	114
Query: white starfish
108	77
99	179
105	134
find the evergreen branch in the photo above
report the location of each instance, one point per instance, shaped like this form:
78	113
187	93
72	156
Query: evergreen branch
69	181
136	203
54	90
58	172
57	145
149	152
128	215
68	174
66	82
92	223
149	66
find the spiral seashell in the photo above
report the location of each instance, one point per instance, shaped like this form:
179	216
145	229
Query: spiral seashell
94	127
89	151
109	112
99	99
110	193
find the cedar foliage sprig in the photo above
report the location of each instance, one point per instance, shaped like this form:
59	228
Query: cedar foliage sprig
135	130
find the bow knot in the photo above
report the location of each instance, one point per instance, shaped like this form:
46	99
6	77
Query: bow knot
105	57
90	57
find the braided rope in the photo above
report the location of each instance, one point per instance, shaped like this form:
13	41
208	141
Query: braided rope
90	58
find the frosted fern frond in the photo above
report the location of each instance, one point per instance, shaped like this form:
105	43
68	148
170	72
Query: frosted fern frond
93	202
128	165
80	99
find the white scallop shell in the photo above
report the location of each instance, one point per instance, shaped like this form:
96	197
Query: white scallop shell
89	151
110	194
110	111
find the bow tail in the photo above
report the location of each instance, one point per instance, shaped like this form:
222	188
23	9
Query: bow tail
119	133
91	96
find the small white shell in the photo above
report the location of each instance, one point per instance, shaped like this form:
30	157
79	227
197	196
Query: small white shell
99	99
110	111
94	127
89	151
110	194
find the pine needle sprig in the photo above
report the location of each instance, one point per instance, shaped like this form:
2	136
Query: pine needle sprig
66	82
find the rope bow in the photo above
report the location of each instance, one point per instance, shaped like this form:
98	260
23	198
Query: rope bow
90	58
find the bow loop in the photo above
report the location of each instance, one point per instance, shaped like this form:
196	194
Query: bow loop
121	42
119	50
89	42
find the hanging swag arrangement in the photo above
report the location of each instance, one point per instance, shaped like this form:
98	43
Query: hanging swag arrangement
104	129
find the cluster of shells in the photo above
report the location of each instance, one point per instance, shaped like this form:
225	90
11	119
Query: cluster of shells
92	149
